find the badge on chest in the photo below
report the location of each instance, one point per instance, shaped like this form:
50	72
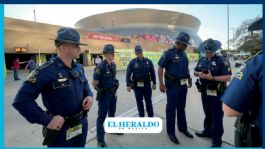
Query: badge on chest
136	65
214	63
61	82
177	58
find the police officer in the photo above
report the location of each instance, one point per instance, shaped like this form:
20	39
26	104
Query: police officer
177	75
140	73
105	82
243	95
214	71
65	94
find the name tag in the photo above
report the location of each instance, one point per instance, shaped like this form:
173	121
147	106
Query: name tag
211	92
140	84
183	81
73	132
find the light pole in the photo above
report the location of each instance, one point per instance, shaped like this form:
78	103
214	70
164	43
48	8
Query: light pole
228	27
34	15
113	27
232	28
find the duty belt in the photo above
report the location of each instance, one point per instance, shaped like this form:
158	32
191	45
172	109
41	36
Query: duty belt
173	79
75	116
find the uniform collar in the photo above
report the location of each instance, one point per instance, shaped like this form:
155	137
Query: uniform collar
105	61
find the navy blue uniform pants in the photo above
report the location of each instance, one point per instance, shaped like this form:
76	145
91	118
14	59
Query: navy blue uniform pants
16	74
213	121
78	141
176	102
106	105
146	94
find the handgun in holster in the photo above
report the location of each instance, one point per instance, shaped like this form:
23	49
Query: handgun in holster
169	80
116	85
198	85
99	94
246	134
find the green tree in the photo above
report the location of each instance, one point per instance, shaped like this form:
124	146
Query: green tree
245	40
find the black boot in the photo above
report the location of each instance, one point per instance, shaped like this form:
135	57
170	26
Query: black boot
187	134
203	134
174	139
216	145
102	144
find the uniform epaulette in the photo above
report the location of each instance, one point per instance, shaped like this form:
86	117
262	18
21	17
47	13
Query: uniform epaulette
46	64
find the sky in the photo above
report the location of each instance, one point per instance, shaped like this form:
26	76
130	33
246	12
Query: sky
213	17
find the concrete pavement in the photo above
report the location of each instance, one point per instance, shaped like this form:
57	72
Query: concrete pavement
19	133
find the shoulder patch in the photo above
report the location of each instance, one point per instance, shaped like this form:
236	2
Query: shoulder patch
226	63
97	71
31	78
239	74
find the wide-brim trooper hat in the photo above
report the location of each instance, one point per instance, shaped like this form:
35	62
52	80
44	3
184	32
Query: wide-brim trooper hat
138	49
68	35
211	45
183	38
108	48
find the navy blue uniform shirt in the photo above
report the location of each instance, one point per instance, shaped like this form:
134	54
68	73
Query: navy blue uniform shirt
217	65
62	90
175	63
140	70
245	91
106	74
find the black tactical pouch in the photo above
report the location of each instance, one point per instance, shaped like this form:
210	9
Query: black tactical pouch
49	136
169	81
116	86
99	94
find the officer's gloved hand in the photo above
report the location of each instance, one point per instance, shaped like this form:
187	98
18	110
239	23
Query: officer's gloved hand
154	86
129	88
56	123
162	88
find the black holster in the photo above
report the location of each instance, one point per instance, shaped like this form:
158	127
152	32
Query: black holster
102	91
198	85
171	80
49	136
246	134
